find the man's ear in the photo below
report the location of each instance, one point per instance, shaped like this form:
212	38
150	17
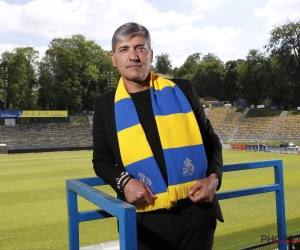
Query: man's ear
112	57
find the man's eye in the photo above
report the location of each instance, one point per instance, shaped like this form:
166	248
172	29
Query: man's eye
122	50
141	48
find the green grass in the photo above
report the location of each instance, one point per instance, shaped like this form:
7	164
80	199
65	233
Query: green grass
240	110
247	218
33	201
262	113
294	112
34	212
82	120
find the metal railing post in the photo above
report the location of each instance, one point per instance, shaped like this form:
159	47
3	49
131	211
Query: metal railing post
127	231
73	222
280	208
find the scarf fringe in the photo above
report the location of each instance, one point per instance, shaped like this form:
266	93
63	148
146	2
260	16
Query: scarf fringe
165	200
180	191
161	202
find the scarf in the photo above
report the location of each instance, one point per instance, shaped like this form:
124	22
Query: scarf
179	135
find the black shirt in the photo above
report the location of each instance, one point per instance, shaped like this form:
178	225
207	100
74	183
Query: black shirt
143	104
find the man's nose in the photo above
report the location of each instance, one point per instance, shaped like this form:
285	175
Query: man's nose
133	55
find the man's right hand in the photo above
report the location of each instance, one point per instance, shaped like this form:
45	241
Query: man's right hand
138	193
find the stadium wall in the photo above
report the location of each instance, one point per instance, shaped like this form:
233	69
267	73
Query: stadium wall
46	138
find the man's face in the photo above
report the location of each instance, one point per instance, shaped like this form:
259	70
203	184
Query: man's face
132	59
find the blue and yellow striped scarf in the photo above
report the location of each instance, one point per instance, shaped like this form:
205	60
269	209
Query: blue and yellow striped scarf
179	135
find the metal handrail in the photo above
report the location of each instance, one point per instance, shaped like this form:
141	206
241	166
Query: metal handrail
126	214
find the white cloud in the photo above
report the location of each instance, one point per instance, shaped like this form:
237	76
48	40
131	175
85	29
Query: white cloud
177	29
95	19
187	40
10	47
278	11
58	18
9	16
207	5
7	47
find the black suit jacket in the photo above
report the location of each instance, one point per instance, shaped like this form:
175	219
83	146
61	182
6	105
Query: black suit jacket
106	154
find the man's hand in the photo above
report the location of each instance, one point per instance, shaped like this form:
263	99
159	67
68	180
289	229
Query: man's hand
204	189
138	193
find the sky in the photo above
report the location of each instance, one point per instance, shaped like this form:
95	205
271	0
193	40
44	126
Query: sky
226	28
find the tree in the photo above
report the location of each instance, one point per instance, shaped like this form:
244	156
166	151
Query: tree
285	41
163	64
73	73
189	67
278	82
229	87
284	46
253	78
209	76
19	67
3	77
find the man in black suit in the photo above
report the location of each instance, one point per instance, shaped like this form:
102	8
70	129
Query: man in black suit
175	199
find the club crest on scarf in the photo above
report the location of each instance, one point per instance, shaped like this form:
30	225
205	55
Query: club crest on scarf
145	179
188	168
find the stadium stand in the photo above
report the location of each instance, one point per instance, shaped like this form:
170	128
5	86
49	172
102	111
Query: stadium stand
224	120
288	129
228	124
255	128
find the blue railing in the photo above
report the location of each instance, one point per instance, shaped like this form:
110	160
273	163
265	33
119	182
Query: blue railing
125	213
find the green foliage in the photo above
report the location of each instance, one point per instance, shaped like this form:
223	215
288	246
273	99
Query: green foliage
240	110
189	68
82	120
294	112
208	76
163	64
73	72
230	89
252	78
18	68
284	46
262	113
284	41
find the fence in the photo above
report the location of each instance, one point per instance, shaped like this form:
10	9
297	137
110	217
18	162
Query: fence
111	206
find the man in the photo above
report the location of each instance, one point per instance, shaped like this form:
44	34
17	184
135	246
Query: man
154	145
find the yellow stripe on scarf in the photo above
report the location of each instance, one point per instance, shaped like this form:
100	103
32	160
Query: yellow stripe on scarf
133	152
173	138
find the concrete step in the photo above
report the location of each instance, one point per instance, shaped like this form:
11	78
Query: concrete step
111	245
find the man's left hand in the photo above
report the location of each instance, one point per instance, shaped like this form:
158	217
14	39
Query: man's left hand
204	189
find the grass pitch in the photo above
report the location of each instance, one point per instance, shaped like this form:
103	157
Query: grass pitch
33	205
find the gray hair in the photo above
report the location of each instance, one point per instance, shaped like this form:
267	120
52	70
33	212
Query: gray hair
127	31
